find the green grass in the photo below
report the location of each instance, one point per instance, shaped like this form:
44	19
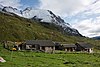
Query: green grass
33	59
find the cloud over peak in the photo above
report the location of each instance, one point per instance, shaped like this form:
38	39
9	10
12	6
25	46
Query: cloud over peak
88	28
65	7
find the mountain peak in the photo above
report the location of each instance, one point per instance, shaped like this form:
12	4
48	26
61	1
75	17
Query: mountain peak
28	8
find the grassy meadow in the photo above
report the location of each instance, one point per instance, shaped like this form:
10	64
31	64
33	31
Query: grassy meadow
38	59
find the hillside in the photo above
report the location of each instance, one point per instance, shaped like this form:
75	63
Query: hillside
13	27
16	28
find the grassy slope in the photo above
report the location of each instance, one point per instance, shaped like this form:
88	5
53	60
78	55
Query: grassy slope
32	59
16	29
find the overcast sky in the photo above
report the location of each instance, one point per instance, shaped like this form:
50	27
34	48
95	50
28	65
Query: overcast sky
84	15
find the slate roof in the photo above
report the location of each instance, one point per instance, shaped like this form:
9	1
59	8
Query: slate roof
57	44
84	45
69	45
40	42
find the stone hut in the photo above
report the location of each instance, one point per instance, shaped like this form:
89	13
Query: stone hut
41	45
85	47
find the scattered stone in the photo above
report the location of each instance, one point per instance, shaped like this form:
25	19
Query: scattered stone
68	62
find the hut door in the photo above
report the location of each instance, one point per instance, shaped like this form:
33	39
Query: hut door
37	47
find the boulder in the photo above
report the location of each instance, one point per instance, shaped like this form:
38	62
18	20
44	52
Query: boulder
2	60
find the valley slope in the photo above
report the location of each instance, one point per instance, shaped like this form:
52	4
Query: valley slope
13	27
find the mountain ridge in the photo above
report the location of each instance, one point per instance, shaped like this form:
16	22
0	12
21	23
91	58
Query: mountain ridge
96	38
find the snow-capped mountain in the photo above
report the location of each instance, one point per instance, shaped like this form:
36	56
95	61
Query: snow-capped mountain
44	16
